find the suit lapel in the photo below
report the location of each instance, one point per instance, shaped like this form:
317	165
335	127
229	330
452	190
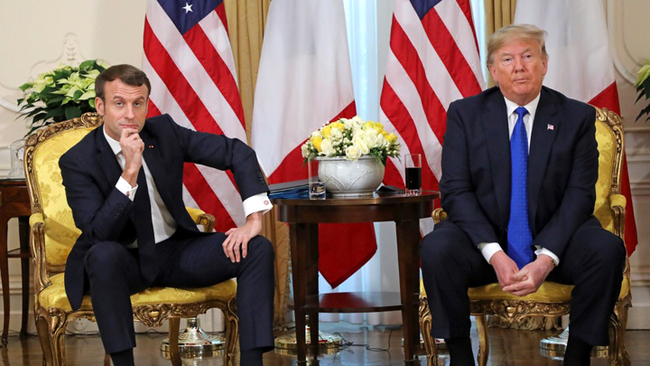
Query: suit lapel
545	128
106	158
495	125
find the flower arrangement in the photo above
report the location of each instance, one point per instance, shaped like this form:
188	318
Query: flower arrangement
60	94
643	88
351	139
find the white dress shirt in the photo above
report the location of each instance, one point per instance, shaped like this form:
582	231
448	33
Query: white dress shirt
164	225
489	249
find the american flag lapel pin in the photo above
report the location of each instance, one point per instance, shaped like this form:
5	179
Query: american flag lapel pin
550	127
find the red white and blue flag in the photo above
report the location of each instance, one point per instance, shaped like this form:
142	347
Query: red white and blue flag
433	60
188	58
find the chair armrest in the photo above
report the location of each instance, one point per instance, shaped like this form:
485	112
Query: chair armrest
37	246
617	203
438	215
202	218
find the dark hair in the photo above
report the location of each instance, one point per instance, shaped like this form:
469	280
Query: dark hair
129	75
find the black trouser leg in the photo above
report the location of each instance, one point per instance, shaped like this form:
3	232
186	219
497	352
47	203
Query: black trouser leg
113	275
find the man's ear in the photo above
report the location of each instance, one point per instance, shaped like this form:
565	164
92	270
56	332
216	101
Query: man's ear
99	106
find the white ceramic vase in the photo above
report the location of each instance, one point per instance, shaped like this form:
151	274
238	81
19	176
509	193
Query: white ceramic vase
345	178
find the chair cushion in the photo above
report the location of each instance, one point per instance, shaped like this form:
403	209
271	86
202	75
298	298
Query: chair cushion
54	296
548	292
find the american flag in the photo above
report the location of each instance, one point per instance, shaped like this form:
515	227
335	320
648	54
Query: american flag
187	57
433	60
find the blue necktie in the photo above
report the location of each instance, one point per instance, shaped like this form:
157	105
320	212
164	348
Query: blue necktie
520	238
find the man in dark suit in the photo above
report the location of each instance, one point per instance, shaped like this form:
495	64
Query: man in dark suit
124	184
520	213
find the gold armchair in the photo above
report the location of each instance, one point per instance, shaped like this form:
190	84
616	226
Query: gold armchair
53	233
553	299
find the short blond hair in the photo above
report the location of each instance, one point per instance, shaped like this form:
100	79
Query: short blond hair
515	32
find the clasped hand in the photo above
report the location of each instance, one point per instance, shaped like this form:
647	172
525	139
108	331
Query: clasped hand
521	282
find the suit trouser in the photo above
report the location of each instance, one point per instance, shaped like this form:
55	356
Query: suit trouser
186	260
593	263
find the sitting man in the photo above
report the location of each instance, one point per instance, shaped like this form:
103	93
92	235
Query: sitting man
124	184
520	163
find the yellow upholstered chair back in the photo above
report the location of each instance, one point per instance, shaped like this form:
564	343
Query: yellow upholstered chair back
48	198
609	136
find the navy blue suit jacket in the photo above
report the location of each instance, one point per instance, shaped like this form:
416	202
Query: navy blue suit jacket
562	168
102	213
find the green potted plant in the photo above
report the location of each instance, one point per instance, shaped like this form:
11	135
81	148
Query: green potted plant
643	88
60	94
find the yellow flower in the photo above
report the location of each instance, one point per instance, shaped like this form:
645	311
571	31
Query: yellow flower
316	140
326	131
339	125
392	138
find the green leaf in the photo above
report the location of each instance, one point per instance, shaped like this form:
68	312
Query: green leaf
645	110
87	64
26	86
71	113
92	103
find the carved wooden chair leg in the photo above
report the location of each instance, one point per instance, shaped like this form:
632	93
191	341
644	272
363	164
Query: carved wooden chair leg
46	341
174	325
425	328
232	336
107	359
483	343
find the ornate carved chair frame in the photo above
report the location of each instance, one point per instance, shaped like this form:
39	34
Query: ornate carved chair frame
553	299
51	308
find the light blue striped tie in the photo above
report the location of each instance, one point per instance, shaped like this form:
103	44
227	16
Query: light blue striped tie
520	238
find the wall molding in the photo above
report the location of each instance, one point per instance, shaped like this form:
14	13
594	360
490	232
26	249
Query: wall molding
70	55
624	62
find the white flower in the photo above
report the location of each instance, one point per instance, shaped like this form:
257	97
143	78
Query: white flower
359	142
326	147
336	134
304	149
352	153
370	138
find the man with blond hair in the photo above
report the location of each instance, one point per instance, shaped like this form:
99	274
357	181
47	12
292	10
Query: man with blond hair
519	164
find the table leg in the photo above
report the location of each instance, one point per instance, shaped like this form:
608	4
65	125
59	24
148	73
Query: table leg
23	231
4	272
408	241
299	240
312	291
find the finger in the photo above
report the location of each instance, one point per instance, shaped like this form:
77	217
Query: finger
226	248
521	275
237	251
230	231
244	248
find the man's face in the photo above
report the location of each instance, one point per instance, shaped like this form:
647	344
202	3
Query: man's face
125	107
519	70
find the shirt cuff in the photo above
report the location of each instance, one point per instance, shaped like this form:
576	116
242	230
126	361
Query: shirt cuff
489	249
545	251
123	186
256	203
